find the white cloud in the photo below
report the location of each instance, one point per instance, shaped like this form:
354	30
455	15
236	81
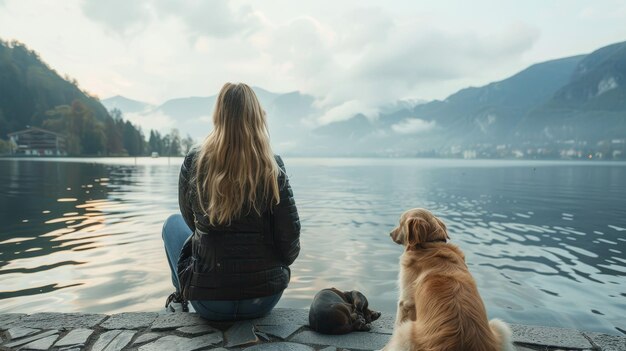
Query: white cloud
133	16
353	58
337	64
413	126
346	111
213	18
153	120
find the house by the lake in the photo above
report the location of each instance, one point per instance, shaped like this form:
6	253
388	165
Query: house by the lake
34	141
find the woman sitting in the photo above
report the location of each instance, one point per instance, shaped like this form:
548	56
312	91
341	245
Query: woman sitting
239	231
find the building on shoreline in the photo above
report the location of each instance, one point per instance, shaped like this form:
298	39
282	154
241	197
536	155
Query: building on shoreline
34	141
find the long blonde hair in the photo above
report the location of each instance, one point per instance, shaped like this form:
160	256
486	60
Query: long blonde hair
235	168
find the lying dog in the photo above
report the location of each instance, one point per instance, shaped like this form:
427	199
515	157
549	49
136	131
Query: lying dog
339	312
439	307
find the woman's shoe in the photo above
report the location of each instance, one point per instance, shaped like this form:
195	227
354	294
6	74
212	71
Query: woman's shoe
176	303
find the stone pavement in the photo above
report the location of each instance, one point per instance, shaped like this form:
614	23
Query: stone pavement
282	330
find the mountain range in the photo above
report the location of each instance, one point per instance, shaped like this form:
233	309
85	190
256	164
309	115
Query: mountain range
579	99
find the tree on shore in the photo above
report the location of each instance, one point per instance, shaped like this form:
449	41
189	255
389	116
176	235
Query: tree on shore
168	145
115	144
188	143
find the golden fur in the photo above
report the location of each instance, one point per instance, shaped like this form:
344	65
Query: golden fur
439	307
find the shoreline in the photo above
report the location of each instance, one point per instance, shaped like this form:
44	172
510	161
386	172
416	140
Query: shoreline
282	329
356	157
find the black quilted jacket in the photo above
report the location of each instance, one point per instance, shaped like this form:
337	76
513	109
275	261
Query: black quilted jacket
249	258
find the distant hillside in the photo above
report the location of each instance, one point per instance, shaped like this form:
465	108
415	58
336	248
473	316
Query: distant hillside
598	82
484	114
125	104
491	112
29	88
192	115
580	98
591	106
575	104
32	93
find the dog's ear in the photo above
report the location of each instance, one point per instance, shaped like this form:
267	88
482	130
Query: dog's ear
443	227
416	230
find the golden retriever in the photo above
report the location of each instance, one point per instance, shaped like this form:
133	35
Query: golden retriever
439	307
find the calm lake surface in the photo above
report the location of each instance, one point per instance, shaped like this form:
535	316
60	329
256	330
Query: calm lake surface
544	240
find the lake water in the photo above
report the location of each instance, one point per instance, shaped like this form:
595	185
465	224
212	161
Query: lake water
544	240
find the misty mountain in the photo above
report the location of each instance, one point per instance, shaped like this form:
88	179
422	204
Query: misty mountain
290	118
126	105
476	114
598	82
591	106
192	115
581	97
491	112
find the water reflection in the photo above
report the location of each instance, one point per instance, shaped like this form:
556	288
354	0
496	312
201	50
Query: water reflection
544	241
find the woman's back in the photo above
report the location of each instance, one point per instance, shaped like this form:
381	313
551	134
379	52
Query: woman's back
248	257
239	230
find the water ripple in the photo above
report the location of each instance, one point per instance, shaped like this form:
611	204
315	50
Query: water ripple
544	240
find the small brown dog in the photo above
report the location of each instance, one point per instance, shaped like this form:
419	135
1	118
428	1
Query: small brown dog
439	308
339	312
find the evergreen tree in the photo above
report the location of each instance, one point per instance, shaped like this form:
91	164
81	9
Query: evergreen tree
188	143
165	145
115	145
154	143
132	143
175	148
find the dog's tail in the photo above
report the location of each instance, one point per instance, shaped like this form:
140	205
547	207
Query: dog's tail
502	332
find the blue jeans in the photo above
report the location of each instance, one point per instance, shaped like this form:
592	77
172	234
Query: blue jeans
175	232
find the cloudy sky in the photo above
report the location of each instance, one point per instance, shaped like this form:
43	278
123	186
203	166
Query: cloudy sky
353	55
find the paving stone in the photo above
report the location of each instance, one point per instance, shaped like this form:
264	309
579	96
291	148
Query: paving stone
130	320
105	339
144	338
241	333
41	344
279	331
6	320
76	337
20	332
280	346
113	340
608	342
120	341
177	343
176	320
262	336
24	341
25	333
197	330
284	316
356	340
549	336
52	320
384	324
